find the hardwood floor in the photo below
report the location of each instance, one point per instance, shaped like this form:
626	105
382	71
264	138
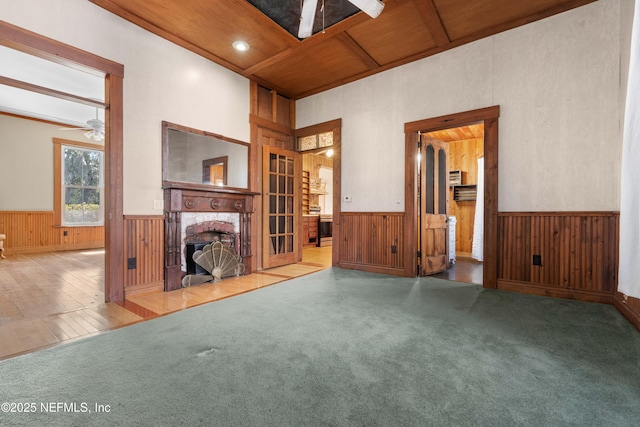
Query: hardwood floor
49	298
465	270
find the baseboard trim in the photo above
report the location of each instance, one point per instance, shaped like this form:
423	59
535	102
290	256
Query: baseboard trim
52	248
551	291
373	269
145	288
620	302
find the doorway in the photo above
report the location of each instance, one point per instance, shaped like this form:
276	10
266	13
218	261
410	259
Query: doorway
320	148
39	46
489	119
464	146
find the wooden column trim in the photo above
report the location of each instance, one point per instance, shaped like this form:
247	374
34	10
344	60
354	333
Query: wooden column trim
114	189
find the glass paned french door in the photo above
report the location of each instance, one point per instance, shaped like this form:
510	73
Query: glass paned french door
281	207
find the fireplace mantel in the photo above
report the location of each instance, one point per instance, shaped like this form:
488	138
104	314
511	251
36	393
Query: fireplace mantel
180	198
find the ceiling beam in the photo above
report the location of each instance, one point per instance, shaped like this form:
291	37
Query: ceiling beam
354	47
7	81
432	20
314	40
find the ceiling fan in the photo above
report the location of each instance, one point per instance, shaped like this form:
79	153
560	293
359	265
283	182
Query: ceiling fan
94	128
373	8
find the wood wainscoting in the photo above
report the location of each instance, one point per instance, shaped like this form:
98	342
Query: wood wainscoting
144	245
366	242
577	253
35	231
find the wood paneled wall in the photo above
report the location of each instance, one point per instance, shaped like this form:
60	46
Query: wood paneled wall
34	231
313	163
366	242
578	252
464	155
144	242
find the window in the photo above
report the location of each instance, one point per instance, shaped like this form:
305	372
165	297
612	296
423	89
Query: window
312	142
79	183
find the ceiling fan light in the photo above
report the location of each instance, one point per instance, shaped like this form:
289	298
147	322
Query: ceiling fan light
95	135
373	8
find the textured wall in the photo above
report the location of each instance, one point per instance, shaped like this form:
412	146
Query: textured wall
162	82
26	163
557	83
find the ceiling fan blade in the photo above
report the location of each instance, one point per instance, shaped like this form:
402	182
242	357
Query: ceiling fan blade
373	8
307	16
85	128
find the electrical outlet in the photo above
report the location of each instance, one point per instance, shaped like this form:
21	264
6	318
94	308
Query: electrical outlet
537	260
394	249
346	199
65	233
158	204
131	263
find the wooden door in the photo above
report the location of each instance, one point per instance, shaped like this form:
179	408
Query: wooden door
282	207
434	206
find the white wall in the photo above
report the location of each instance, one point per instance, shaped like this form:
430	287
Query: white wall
557	84
162	82
26	163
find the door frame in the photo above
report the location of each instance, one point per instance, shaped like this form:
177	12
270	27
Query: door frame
37	45
334	126
490	117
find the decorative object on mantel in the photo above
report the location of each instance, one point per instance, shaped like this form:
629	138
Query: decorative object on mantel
219	260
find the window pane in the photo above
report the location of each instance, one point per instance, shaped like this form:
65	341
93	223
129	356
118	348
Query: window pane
442	182
82	186
307	143
73	166
91	175
73	210
325	139
430	179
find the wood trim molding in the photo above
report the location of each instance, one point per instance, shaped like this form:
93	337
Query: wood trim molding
50	92
490	117
555	292
268	124
334	126
629	307
55	51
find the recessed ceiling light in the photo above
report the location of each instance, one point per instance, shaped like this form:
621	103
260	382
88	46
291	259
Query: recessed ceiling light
241	46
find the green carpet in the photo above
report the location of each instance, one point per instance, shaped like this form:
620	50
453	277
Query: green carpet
345	348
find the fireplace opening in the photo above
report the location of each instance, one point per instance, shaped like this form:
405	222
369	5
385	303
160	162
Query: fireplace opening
196	242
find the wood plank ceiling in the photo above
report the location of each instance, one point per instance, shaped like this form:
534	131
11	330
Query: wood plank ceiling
353	48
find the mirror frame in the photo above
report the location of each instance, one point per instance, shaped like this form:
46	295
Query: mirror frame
166	126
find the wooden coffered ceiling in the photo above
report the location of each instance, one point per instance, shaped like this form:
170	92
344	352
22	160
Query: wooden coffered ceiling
353	48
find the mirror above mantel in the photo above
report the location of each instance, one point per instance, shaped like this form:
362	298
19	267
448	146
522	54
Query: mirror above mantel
201	159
